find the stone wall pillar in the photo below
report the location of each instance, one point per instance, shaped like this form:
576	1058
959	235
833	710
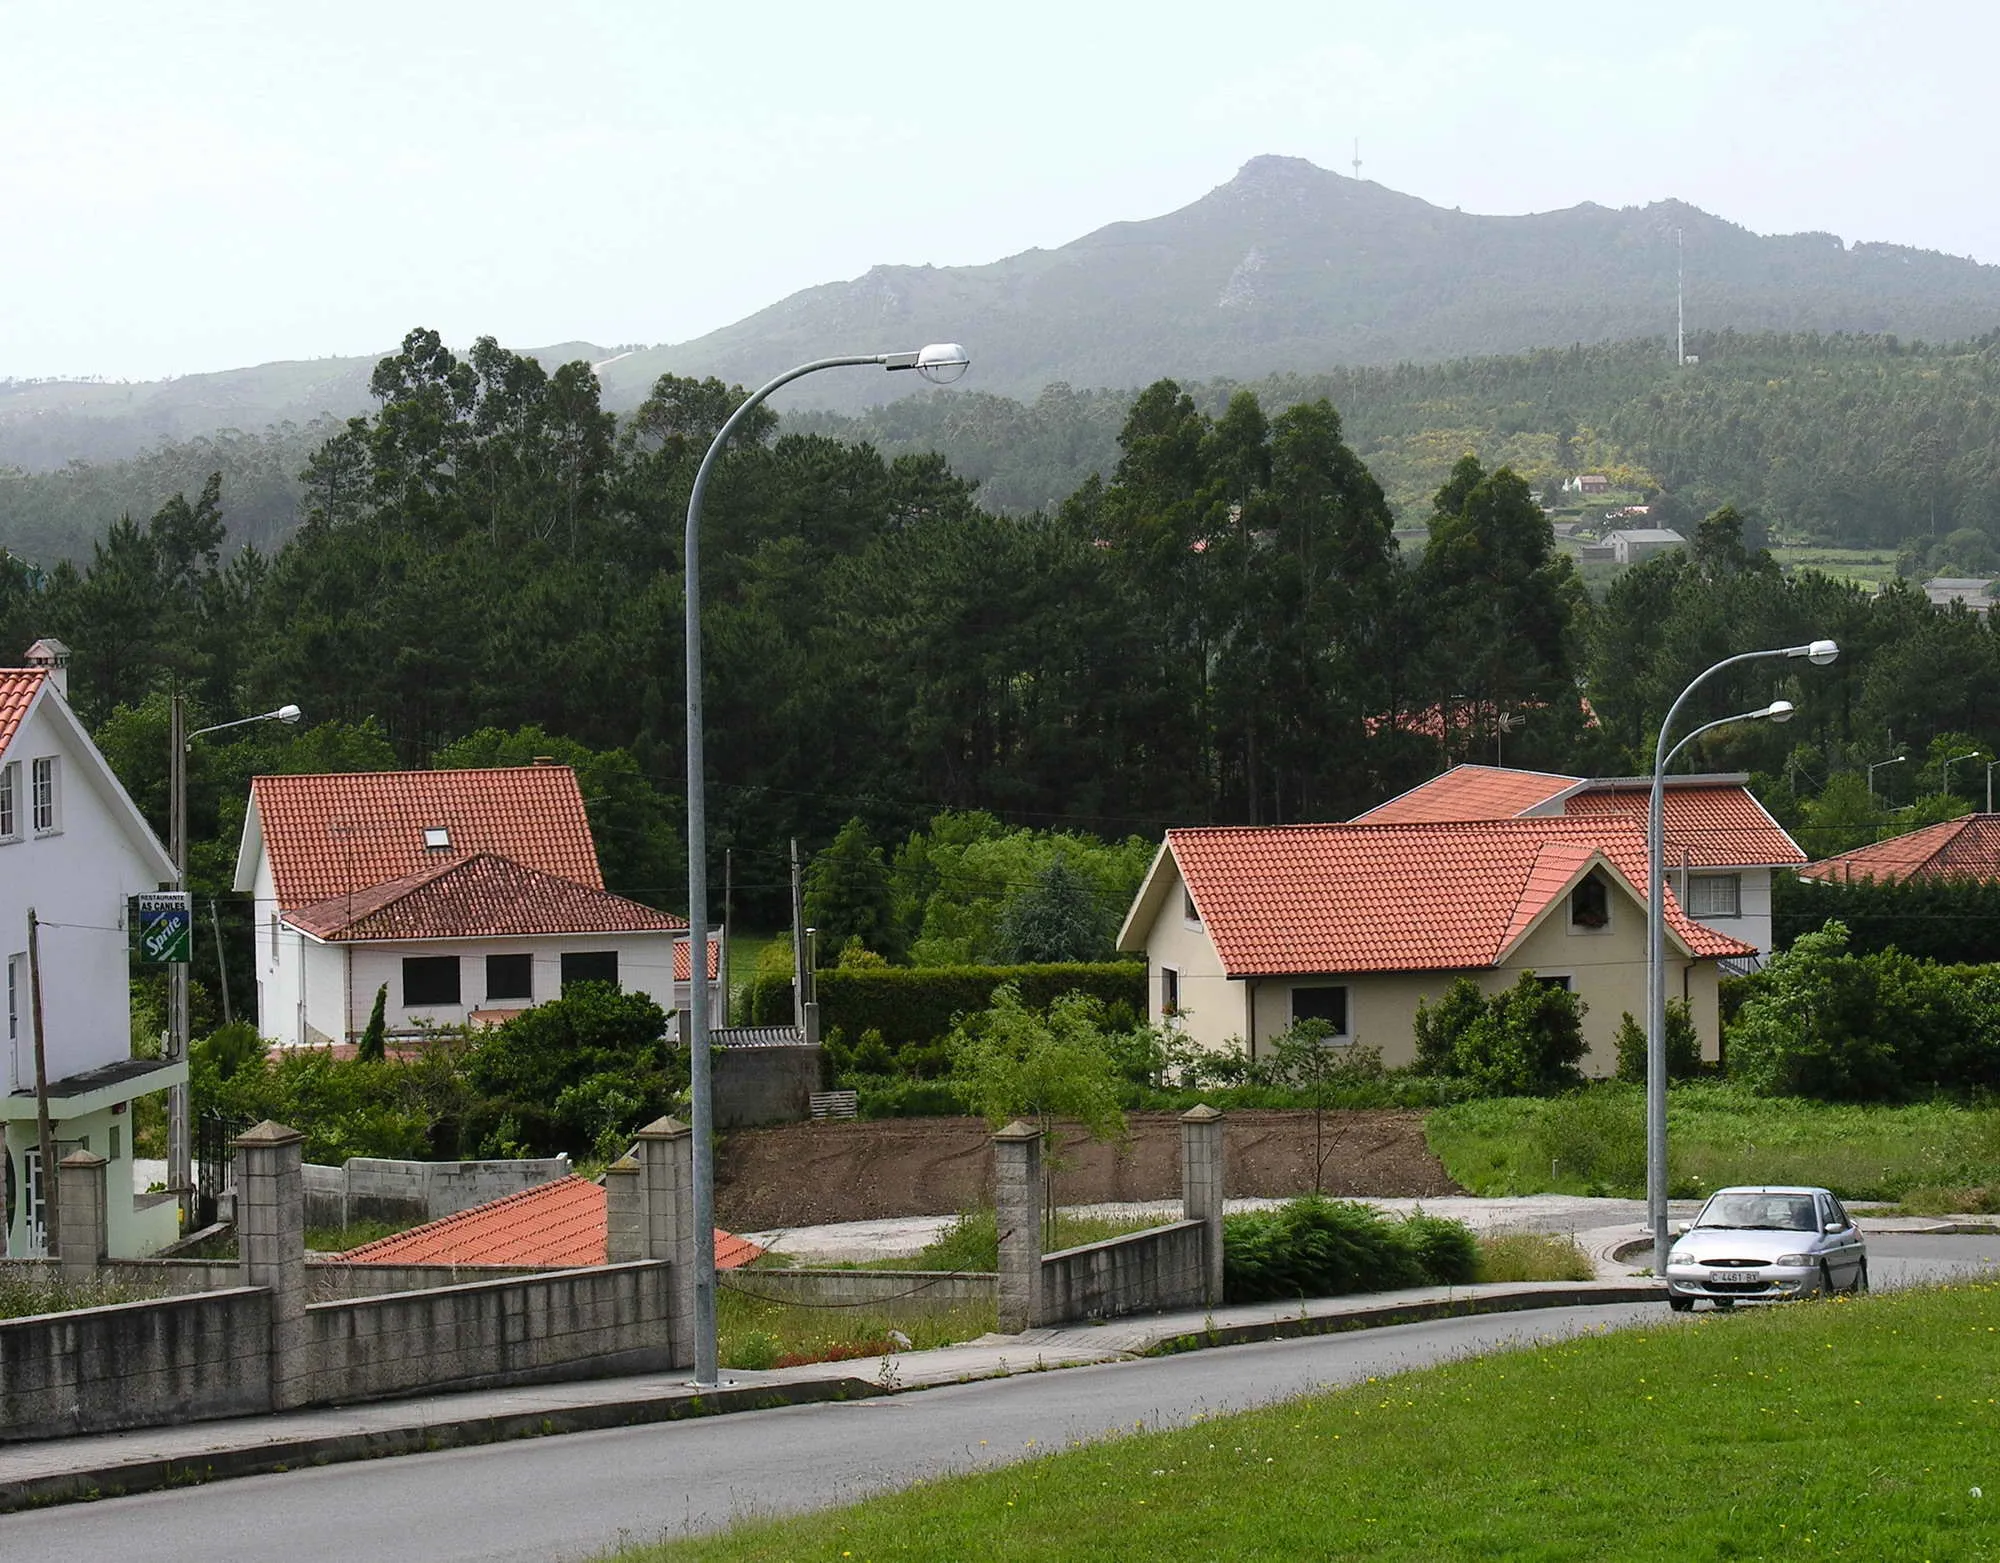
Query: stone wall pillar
271	1238
666	1183
624	1219
81	1235
1017	1207
1201	1189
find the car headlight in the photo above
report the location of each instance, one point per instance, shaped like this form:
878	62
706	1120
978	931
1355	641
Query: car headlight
1681	1256
1797	1261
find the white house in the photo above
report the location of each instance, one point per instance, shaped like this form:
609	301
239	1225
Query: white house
73	848
1635	545
468	895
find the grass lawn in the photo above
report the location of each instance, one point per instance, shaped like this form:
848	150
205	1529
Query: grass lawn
1870	566
1865	1428
1931	1157
337	1240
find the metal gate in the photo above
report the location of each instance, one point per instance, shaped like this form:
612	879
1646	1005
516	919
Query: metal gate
214	1163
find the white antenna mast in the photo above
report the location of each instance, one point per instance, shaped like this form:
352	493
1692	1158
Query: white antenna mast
1357	157
1680	302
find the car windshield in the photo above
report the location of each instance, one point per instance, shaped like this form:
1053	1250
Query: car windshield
1760	1213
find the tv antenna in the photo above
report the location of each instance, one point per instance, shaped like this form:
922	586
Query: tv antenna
1357	157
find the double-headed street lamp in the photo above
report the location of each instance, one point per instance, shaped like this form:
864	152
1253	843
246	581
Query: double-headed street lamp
180	1148
1819	653
940	363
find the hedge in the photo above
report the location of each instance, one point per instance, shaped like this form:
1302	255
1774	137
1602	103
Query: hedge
1952	921
914	1006
1313	1247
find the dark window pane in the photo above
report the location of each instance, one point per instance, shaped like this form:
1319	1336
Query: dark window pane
510	976
430	979
1590	904
590	966
1327	1004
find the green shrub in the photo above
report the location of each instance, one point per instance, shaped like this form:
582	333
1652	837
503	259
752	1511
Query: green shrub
1440	1025
1526	1040
1596	1136
1683	1045
895	1096
1315	1247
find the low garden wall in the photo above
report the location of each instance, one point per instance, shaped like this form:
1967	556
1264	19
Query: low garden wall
911	1292
1156	1269
372	1188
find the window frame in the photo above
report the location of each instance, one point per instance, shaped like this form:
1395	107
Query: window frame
10	801
1344	1032
527	968
1595	881
1707	881
1170	992
45	794
584	955
1190	913
433	965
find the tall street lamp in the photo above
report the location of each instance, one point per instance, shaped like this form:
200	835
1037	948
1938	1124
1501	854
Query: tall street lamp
180	1149
940	363
1878	766
1819	653
1944	771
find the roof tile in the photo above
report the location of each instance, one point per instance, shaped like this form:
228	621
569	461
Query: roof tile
18	688
1470	792
1963	848
484	895
1703	827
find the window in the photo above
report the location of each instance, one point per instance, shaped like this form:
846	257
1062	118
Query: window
1170	991
1590	904
437	838
510	976
1188	909
1328	1004
590	966
10	801
117	1146
1553	982
45	802
1715	895
275	946
17	1006
430	979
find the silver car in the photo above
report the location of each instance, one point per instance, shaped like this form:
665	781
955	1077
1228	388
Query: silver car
1764	1245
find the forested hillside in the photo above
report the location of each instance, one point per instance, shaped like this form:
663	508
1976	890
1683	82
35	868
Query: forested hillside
1221	628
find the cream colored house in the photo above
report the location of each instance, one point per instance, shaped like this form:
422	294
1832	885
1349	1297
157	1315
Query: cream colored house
1249	930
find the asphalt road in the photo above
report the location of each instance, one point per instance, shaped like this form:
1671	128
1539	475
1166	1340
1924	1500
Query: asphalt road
571	1497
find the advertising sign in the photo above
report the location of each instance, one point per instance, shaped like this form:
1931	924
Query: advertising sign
162	927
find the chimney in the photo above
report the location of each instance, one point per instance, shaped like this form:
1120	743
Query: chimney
54	656
545	759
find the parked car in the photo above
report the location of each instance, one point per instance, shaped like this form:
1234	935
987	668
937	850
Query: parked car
1766	1245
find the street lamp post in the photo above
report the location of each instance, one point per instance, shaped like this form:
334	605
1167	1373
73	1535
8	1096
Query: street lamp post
1819	653
1989	784
180	1148
940	363
1878	766
1944	770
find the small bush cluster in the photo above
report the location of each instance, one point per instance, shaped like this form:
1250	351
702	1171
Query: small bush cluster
1683	1045
1315	1247
1524	1041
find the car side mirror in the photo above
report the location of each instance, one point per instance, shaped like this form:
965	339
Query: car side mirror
1682	1228
1835	1226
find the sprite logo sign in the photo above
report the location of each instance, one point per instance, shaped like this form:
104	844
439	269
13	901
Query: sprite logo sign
162	927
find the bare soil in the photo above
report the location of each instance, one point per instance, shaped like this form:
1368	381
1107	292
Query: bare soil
809	1174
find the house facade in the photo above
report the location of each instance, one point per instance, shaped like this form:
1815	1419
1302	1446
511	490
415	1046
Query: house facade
468	895
73	848
1247	931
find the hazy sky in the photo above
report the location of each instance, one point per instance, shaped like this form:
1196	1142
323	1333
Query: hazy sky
222	182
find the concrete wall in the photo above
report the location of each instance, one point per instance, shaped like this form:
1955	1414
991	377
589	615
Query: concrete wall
136	1364
759	1085
1164	1267
327	1280
370	1188
520	1331
903	1293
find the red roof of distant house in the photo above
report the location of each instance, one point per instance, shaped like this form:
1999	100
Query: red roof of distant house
1964	848
560	1223
18	688
335	834
683	963
1441	896
1470	792
479	896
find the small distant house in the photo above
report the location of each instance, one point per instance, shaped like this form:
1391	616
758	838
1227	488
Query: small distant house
1598	553
73	849
1638	544
1963	848
1588	483
1974	592
470	895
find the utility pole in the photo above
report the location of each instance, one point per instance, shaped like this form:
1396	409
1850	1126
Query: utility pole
1680	302
180	1158
221	961
722	954
45	1129
1357	157
798	941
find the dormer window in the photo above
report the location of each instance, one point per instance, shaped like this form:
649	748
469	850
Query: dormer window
437	838
1590	904
1188	909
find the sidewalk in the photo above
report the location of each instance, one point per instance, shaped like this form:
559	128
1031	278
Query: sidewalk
149	1459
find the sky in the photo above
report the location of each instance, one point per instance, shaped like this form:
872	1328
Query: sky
227	182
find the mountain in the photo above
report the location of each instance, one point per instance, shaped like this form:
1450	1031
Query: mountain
1292	268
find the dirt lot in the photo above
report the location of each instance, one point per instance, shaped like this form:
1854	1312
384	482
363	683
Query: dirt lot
810	1173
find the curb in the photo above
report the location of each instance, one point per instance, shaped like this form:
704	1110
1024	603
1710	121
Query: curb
155	1475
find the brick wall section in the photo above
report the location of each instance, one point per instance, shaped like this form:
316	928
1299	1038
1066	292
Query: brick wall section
1017	1209
81	1216
897	1293
370	1188
665	1152
137	1364
1139	1273
758	1085
1201	1190
624	1219
572	1324
271	1240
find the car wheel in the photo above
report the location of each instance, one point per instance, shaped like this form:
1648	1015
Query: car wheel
1681	1304
1860	1278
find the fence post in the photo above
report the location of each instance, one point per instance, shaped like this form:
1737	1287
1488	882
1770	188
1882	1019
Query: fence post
271	1238
666	1165
80	1215
1201	1190
624	1220
1017	1208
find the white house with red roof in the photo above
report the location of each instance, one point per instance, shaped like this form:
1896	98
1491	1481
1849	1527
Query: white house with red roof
73	848
1248	930
470	895
1720	843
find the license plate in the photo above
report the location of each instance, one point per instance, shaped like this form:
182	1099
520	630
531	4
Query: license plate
1732	1276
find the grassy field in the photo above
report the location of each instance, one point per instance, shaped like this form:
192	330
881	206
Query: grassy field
1870	566
1846	1429
1931	1157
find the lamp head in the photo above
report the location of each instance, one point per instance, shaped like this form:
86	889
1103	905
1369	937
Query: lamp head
288	713
1778	711
1819	653
942	362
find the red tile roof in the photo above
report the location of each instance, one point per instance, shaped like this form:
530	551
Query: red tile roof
560	1223
482	896
683	962
329	835
1964	848
1470	792
1442	896
18	688
1704	827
